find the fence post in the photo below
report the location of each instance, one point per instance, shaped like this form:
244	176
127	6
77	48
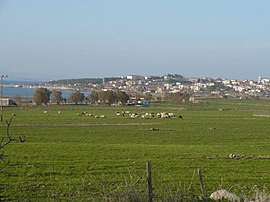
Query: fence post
149	181
201	183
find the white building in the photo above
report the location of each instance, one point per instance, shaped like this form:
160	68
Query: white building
239	88
7	102
134	77
263	80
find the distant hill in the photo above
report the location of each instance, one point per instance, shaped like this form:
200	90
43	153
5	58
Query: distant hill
21	82
83	81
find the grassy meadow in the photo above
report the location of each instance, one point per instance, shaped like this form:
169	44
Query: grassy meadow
73	157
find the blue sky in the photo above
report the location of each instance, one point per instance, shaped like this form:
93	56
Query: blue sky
86	38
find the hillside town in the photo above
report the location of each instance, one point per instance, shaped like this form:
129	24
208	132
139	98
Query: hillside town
139	90
159	85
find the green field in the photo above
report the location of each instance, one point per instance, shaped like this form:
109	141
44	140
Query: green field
82	158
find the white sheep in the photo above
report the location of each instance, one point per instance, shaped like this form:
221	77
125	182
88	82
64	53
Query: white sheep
223	194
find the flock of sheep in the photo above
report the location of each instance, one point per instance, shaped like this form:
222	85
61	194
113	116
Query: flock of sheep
149	115
91	115
144	115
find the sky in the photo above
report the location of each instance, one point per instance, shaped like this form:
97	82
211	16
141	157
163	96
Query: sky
62	39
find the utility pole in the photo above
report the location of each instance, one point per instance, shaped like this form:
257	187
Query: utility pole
1	92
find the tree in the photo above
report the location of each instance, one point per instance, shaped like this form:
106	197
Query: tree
42	96
148	96
77	97
110	97
177	97
93	97
137	96
121	97
107	97
57	96
102	96
86	100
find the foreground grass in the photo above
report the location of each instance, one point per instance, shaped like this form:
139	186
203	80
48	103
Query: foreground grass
71	157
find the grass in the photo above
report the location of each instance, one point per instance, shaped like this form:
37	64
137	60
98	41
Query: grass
71	157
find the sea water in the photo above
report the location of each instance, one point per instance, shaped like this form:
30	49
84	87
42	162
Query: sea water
29	92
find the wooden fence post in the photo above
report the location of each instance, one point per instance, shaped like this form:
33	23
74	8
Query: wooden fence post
201	183
149	181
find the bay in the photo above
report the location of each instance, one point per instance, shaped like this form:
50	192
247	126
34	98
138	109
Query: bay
29	92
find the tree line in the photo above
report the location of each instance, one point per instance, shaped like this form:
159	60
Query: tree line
45	96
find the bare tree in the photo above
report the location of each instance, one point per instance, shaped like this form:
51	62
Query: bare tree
77	97
102	96
93	97
6	140
57	96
